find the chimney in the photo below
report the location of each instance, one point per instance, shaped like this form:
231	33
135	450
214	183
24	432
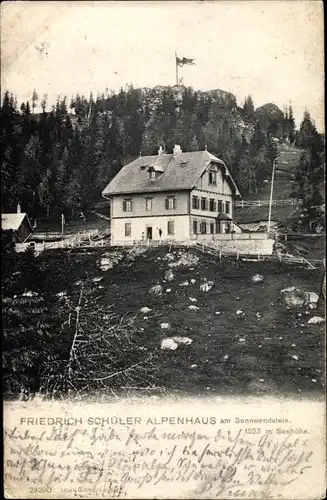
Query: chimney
19	208
160	151
177	149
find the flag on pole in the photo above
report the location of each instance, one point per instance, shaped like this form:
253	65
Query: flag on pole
184	61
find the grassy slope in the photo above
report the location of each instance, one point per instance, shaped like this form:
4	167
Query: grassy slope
73	226
288	160
265	355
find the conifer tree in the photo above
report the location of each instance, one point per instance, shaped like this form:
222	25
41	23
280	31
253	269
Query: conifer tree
291	125
35	98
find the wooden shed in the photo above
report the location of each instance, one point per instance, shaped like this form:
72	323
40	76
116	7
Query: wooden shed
18	225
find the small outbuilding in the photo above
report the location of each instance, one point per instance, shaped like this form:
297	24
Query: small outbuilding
18	225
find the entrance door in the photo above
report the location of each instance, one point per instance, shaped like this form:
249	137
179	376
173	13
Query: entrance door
149	233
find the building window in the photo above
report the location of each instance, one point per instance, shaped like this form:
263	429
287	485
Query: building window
128	229
220	206
127	205
227	207
152	175
212	228
204	204
212	205
212	178
195	227
170	228
148	204
170	203
203	227
195	202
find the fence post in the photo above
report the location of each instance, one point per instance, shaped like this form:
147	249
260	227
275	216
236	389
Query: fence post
285	237
259	203
237	255
219	254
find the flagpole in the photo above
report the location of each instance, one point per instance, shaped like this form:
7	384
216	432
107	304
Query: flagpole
271	194
176	68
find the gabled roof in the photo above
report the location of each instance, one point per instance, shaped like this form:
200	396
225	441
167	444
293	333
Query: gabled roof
13	221
180	172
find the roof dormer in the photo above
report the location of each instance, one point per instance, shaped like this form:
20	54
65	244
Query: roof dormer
154	172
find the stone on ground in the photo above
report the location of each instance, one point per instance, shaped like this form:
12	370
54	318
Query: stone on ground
182	340
30	294
109	260
168	345
315	320
257	278
145	310
186	260
205	287
311	298
185	283
156	290
169	276
294	297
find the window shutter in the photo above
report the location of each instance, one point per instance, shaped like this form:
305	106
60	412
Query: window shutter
124	206
131	206
167	203
174	203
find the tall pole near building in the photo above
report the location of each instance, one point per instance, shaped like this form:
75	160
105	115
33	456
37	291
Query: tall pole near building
271	194
62	225
176	68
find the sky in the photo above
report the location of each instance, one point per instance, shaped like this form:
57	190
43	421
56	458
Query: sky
271	49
